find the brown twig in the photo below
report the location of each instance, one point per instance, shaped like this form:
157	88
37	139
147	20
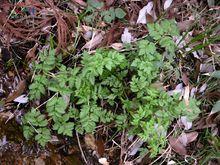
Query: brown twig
80	147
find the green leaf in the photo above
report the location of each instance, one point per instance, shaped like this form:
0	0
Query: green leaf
216	74
120	13
216	107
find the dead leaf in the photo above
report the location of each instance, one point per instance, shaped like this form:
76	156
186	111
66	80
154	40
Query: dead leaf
178	89
103	161
100	146
31	53
6	115
54	140
128	163
193	91
202	88
80	2
126	37
90	141
39	161
117	46
109	2
135	148
184	121
185	78
177	146
142	13
185	25
167	4
186	138
171	162
21	99
20	89
94	42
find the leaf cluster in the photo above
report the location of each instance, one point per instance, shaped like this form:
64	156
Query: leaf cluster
95	10
112	87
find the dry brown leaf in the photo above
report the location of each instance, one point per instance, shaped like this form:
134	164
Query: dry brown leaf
100	146
39	161
6	115
90	141
31	53
184	25
80	2
177	146
185	122
109	2
20	89
142	13
186	138
185	78
167	4
126	37
94	42
117	46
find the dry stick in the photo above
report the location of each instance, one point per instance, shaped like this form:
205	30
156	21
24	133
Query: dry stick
11	116
168	148
83	156
122	147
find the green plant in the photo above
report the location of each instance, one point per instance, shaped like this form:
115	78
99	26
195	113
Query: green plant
35	124
112	87
94	10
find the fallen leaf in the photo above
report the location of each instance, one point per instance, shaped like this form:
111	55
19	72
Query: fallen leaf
187	124
184	25
80	2
192	136
20	89
95	41
129	163
87	35
178	89
185	78
142	13
186	138
206	68
31	53
126	37
177	146
117	46
135	147
167	4
183	139
109	2
90	141
193	91
3	141
39	161
103	161
21	99
100	146
6	115
202	88
54	140
171	162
